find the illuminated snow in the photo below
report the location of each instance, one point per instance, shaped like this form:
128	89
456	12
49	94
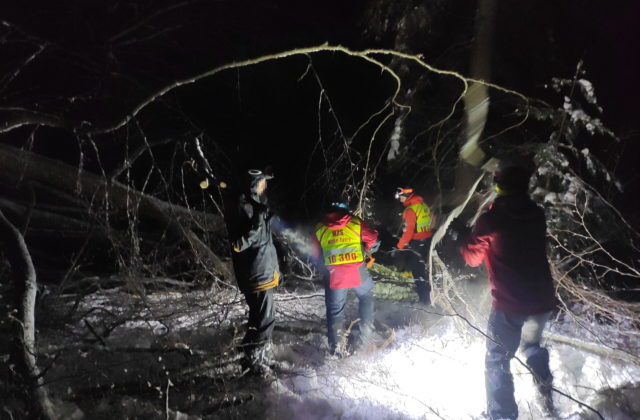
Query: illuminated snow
438	374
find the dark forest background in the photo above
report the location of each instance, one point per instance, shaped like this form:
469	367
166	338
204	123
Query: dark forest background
103	188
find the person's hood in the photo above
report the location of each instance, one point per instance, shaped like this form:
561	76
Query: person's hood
336	219
413	199
516	206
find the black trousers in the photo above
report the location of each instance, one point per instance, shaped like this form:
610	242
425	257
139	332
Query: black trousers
419	270
261	319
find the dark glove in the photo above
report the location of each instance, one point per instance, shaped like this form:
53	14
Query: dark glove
459	233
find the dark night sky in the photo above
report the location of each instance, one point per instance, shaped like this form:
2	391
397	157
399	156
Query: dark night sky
534	42
607	38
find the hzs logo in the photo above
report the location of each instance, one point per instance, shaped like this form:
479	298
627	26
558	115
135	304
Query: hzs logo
337	232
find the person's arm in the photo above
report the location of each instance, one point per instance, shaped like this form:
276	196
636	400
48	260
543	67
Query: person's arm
252	228
316	250
409	217
475	250
369	237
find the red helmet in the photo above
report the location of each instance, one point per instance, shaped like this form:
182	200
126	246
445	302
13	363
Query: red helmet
403	192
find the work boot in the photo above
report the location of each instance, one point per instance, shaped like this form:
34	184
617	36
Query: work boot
486	416
339	349
336	336
545	400
366	340
424	292
538	362
256	361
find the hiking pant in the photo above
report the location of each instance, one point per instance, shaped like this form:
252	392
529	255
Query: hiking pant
261	319
506	332
336	300
419	269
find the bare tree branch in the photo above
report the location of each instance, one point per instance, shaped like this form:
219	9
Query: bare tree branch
25	284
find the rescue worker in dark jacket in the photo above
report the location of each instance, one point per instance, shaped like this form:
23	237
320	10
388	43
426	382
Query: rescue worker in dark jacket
340	245
510	239
256	268
417	232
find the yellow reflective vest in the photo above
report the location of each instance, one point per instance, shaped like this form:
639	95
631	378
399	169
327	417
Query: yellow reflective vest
341	245
423	217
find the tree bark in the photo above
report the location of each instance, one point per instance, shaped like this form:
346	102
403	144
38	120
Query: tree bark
476	105
40	219
24	347
476	101
16	165
476	109
600	350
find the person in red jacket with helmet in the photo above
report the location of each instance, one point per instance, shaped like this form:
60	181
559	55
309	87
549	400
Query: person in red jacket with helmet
340	245
510	239
418	222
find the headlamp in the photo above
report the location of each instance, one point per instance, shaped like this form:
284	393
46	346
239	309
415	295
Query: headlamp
256	173
403	192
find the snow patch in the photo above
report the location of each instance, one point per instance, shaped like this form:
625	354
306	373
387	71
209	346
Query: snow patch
439	373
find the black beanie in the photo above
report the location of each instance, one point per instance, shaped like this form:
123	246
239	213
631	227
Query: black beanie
513	173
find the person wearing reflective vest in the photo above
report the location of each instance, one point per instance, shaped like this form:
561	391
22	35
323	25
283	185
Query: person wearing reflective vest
341	245
417	232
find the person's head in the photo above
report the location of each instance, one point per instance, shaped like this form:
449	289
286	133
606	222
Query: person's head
258	181
403	193
513	174
340	206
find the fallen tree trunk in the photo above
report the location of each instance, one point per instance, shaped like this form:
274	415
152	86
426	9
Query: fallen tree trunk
601	350
476	99
17	165
476	107
24	348
471	165
41	219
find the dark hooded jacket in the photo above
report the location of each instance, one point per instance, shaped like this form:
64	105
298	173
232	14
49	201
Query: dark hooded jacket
510	239
255	260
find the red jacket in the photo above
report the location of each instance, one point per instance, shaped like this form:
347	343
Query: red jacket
409	230
510	239
347	275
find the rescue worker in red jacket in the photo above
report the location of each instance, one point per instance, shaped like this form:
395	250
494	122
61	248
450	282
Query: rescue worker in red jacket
510	239
341	244
418	222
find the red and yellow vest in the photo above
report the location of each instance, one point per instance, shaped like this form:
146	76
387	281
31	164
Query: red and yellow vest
423	217
341	245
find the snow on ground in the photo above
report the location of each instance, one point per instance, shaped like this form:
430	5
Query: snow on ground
433	368
437	372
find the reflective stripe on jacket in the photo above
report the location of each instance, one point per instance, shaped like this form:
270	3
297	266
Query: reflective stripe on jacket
341	245
347	275
411	228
